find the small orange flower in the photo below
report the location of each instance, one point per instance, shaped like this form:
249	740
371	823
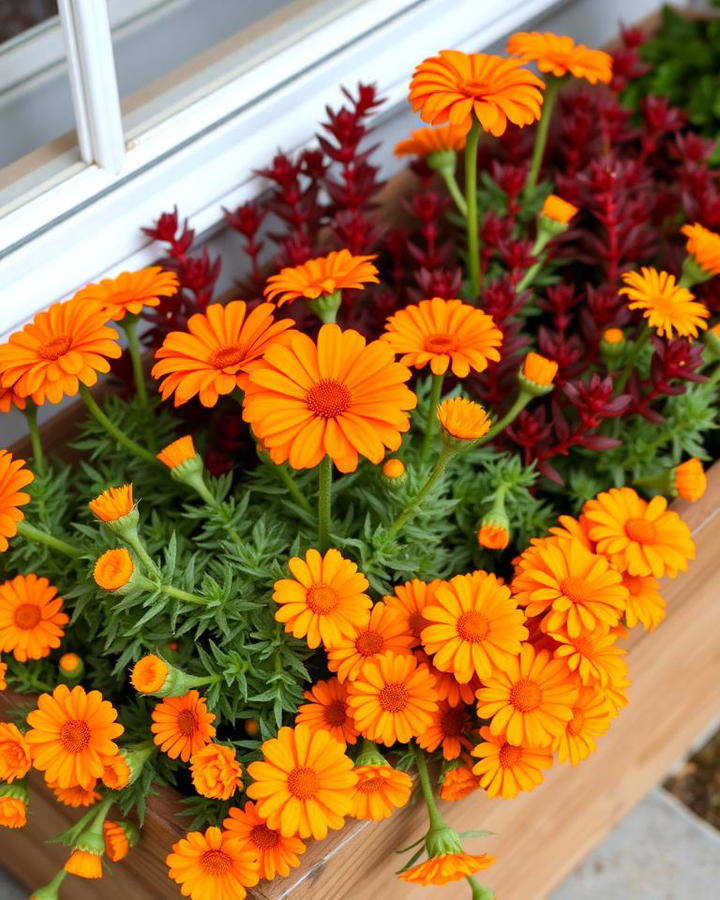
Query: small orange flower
393	468
213	865
591	718
380	790
182	725
216	353
116	774
449	729
458	783
493	537
594	655
460	88
216	773
178	452
704	245
31	621
646	605
60	349
328	709
446	868
75	796
13	810
669	308
325	600
276	854
337	271
15	759
505	769
539	370
463	419
72	735
409	600
113	569
690	480
559	55
130	291
558	210
425	141
84	864
118	840
149	674
382	630
447	334
70	665
613	336
13	478
113	504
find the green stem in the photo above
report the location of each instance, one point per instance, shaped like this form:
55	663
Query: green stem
141	553
541	135
541	242
522	400
431	425
114	431
35	441
292	487
218	506
179	594
454	191
42	537
473	237
129	326
633	358
436	820
443	459
324	502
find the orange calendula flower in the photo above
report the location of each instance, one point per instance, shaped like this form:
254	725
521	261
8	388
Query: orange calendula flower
13	478
638	537
593	655
645	605
178	452
392	699
449	729
182	725
216	353
62	348
76	796
325	275
149	674
324	600
393	468
613	336
340	397
531	701
216	773
591	718
15	759
505	769
447	334
559	55
463	419
690	480
72	735
557	209
113	504
304	783
130	291
458	783
120	838
70	665
704	246
461	88
328	709
446	868
382	630
13	806
409	600
539	370
669	308
424	142
113	569
84	864
31	620
581	589
213	865
475	626
116	774
276	854
493	536
380	790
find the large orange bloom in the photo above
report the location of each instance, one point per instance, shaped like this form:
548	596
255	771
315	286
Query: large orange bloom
445	333
456	87
337	271
560	55
61	348
304	782
328	709
383	630
216	353
213	866
13	478
30	617
276	854
216	773
704	245
182	725
341	397
594	655
425	141
446	868
379	792
668	307
130	291
72	735
506	769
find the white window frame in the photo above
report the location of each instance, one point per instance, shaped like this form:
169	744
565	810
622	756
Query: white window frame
200	156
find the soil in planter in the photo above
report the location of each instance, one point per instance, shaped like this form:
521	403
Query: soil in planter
697	784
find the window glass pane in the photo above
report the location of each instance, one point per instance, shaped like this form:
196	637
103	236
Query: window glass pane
17	16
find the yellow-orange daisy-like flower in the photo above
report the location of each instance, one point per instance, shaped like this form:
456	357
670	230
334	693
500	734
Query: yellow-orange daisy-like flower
593	655
337	271
129	292
460	88
216	773
380	790
475	626
13	811
669	308
217	352
328	709
113	504
149	674
463	419
638	537
447	867
447	334
324	600
458	783
213	865
304	783
569	527
382	630
690	480
9	399
182	725
76	796
31	617
62	348
557	209
559	55
539	370
704	246
645	605
531	701
178	452
340	397
447	686
276	854
424	142
13	478
113	569
72	735
449	729
118	842
392	699
15	758
591	718
409	600
505	769
580	588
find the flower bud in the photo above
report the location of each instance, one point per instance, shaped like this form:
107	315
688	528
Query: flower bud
115	571
689	480
462	420
555	214
393	472
152	675
537	374
13	805
494	531
71	667
115	508
182	459
120	838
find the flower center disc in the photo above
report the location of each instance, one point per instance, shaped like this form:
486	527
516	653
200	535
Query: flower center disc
74	735
263	837
226	357
55	347
525	696
328	398
509	756
393	698
215	862
575	725
369	642
477	88
417	622
473	627
322	599
27	615
452	722
576	589
641	531
187	721
335	713
303	783
440	343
